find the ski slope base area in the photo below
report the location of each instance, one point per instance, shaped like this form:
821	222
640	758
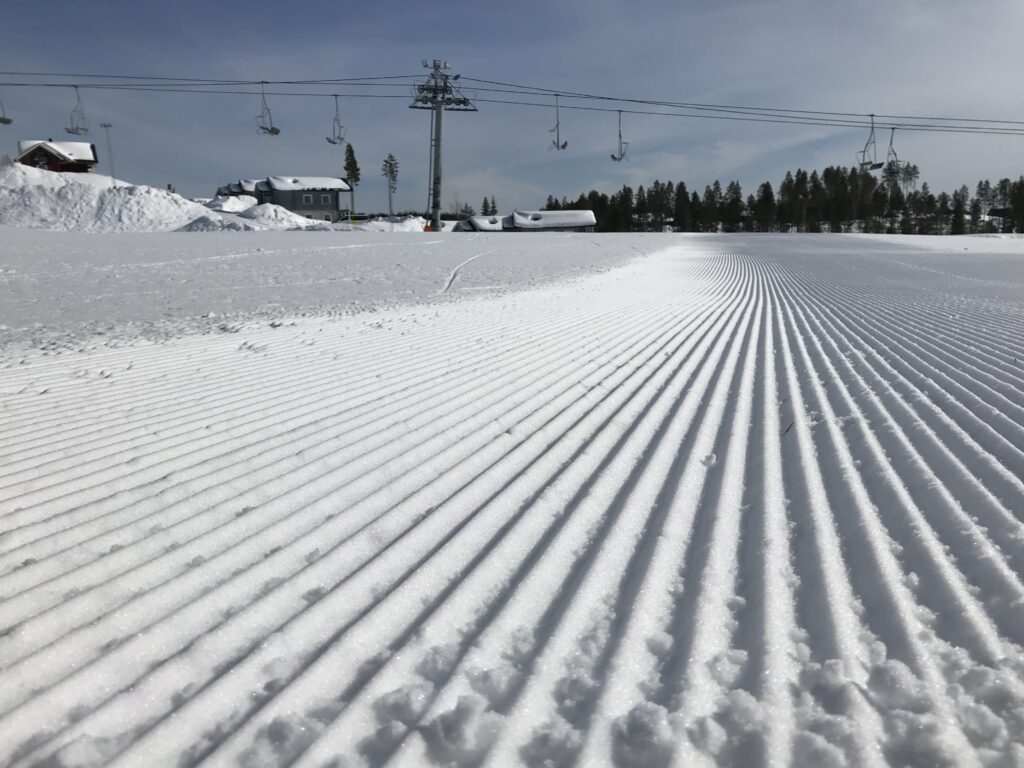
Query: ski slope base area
723	500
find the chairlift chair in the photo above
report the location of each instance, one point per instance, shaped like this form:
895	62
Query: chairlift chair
337	136
867	158
78	125
264	120
623	145
557	143
4	119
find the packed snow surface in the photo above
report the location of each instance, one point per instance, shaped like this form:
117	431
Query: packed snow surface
601	500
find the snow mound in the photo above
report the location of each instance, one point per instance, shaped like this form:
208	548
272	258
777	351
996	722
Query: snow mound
39	199
215	223
232	203
407	224
275	217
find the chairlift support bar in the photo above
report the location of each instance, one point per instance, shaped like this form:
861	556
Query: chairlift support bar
623	145
867	158
337	136
4	119
892	157
264	120
557	144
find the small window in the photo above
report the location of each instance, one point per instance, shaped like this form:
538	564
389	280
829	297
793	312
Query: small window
307	199
325	199
327	217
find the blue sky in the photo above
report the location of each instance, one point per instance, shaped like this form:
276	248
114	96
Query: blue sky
921	57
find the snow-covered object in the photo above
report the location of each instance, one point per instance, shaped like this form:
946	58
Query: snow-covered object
276	217
486	223
214	223
232	203
295	183
81	151
553	219
40	199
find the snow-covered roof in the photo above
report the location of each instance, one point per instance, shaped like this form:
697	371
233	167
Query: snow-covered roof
291	183
485	223
78	151
553	219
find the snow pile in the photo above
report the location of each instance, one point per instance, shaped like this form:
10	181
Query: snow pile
232	203
39	199
275	217
407	224
215	223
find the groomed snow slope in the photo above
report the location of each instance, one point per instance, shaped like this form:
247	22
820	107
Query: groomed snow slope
745	501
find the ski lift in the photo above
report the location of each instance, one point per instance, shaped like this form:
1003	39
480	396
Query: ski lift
557	143
867	158
4	119
264	120
623	145
79	125
338	131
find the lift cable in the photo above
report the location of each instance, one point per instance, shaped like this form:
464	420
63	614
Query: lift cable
679	109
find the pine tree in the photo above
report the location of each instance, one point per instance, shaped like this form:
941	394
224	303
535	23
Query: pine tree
494	206
764	208
732	207
959	224
682	211
389	170
351	174
696	213
641	208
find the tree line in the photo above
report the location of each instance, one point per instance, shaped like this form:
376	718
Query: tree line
836	200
